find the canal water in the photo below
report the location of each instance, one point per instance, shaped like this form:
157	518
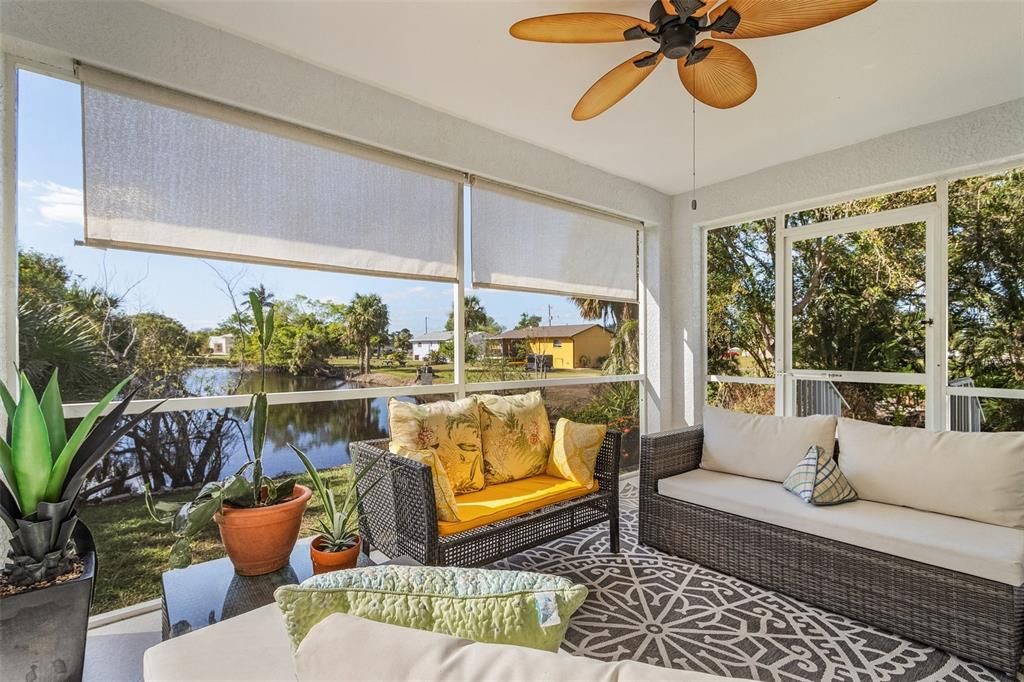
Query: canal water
188	448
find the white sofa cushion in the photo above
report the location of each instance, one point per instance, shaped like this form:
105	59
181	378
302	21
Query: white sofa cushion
345	648
981	549
759	446
978	476
390	652
250	646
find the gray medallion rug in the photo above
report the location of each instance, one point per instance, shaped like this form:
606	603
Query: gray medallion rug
659	609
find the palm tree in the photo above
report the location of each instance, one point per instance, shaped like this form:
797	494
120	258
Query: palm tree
366	324
477	319
54	337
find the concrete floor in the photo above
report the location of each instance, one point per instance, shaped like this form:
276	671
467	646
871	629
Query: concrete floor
113	653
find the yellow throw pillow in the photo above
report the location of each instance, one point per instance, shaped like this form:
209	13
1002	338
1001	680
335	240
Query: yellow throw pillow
444	496
516	436
449	429
574	453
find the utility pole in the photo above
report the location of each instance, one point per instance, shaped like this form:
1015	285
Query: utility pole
549	315
426	325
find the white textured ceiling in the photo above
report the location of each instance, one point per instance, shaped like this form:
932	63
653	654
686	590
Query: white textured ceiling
895	65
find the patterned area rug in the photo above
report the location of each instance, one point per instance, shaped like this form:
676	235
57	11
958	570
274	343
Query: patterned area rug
656	608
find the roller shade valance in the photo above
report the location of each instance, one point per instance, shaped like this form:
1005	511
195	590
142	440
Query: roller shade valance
523	241
173	173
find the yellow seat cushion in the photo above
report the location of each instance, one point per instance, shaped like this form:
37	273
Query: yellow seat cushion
505	500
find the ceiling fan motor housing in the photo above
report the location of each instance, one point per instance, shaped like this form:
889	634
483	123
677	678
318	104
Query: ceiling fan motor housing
676	35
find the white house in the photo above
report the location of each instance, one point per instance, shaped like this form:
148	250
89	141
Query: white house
425	344
221	345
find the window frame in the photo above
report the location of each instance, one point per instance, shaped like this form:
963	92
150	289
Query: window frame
460	387
936	375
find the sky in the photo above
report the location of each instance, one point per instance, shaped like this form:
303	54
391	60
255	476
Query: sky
190	290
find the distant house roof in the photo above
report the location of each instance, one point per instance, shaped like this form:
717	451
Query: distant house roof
433	337
558	331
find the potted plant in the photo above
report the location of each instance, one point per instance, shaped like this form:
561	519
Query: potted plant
259	518
46	584
338	544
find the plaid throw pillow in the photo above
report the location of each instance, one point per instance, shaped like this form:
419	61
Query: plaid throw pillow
817	479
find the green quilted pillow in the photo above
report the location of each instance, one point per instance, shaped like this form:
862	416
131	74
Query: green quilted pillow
817	479
501	607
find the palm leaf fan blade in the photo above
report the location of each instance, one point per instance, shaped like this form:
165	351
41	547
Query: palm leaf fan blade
763	18
613	86
724	78
577	27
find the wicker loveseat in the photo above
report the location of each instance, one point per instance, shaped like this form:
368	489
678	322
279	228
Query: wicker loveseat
683	512
399	515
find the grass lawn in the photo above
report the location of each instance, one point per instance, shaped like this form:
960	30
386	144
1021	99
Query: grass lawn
133	549
445	374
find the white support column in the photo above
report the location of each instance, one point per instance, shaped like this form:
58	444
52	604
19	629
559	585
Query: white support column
782	385
646	369
936	398
8	228
459	311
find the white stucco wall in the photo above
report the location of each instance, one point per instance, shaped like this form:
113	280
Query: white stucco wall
145	42
952	147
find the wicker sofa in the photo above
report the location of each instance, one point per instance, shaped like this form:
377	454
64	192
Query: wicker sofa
398	516
756	531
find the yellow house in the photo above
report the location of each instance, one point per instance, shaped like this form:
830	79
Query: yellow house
571	346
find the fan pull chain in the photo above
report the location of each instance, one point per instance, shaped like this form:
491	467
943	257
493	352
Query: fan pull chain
693	158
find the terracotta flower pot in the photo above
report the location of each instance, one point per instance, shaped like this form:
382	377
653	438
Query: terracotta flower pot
325	562
259	540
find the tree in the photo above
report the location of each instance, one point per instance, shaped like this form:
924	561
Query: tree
402	341
366	325
477	319
526	320
986	289
857	304
60	327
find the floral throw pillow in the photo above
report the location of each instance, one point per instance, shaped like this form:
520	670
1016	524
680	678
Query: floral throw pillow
444	496
516	436
450	429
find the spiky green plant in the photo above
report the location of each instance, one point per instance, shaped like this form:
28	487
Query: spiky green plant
339	525
43	469
187	520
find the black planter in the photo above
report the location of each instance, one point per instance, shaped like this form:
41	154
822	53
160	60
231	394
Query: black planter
42	632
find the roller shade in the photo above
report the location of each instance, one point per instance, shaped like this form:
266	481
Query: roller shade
526	242
172	173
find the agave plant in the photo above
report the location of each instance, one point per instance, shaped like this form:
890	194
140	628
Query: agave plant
43	469
339	526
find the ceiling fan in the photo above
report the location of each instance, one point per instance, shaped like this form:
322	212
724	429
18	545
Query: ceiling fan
714	72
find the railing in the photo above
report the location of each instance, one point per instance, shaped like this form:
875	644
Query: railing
818	396
965	413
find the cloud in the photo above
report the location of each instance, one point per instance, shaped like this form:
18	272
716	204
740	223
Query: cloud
55	203
403	294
